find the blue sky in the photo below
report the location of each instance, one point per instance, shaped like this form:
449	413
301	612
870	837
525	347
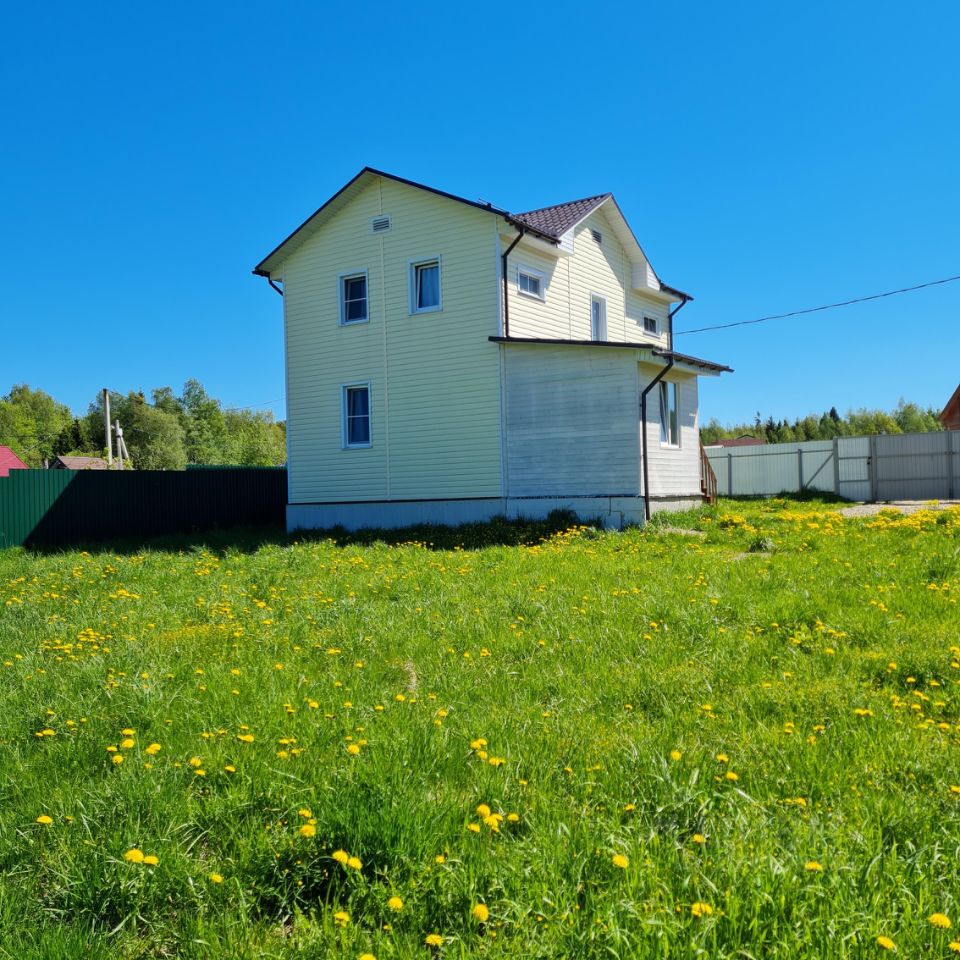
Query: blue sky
769	157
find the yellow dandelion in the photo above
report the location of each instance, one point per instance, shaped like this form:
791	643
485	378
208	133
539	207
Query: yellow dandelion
675	755
354	863
481	913
44	819
152	750
813	866
439	858
483	810
885	943
699	838
700	909
245	737
353	749
730	775
308	830
395	904
133	855
127	744
117	759
940	920
341	856
150	860
305	813
342	918
473	827
366	956
620	861
722	758
215	878
433	940
954	946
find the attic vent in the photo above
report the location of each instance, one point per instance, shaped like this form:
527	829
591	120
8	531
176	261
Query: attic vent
597	235
380	224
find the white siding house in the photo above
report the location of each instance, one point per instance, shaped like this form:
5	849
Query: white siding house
449	361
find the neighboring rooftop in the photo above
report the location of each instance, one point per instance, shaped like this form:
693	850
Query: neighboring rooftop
950	415
9	461
738	442
79	463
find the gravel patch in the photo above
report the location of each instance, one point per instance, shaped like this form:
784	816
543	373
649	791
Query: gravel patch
903	506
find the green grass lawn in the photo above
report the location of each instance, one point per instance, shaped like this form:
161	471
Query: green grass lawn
740	743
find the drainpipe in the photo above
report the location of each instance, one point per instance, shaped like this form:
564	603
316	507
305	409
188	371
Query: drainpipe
670	317
643	431
503	273
275	287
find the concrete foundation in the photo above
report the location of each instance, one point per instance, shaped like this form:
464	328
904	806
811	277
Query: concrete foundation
612	512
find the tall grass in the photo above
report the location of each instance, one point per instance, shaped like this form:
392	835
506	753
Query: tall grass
732	734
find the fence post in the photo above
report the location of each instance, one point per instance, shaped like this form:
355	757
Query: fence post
836	466
873	471
799	469
729	474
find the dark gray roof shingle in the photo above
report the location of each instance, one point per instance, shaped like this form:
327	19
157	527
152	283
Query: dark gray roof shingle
555	221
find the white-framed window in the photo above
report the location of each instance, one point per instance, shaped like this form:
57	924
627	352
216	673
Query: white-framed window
598	318
354	298
669	416
425	290
530	282
650	324
355	407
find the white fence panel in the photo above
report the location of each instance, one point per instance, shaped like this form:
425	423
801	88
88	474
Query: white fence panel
913	466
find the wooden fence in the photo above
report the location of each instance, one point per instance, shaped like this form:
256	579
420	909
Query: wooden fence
68	507
909	466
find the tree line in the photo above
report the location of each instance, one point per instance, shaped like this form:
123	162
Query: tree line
906	418
165	432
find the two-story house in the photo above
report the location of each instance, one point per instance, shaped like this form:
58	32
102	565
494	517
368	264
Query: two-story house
448	361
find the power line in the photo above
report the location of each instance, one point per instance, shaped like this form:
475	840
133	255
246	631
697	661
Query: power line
826	306
254	406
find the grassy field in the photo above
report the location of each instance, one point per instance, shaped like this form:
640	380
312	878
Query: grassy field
733	734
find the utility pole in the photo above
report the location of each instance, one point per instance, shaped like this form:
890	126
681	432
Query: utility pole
106	426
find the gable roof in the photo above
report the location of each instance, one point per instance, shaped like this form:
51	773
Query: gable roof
548	223
555	221
9	461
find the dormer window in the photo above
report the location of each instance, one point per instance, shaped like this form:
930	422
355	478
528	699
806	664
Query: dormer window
530	282
650	324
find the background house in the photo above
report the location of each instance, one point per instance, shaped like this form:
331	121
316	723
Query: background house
950	415
449	361
9	461
78	463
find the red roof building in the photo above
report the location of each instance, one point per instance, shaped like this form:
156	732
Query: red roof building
9	461
738	442
950	416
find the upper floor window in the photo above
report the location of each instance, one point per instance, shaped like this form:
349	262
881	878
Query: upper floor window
649	324
669	419
353	298
598	318
355	401
530	282
425	286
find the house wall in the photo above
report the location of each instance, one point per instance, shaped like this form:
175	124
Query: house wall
434	377
572	424
674	471
593	268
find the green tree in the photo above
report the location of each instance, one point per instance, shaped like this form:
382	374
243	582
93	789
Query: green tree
31	422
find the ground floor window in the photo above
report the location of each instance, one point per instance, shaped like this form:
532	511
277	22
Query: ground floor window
356	415
669	419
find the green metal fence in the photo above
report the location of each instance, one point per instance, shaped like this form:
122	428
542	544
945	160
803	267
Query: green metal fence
65	507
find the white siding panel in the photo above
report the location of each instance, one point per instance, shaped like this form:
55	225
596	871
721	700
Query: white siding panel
674	471
434	376
604	269
571	420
